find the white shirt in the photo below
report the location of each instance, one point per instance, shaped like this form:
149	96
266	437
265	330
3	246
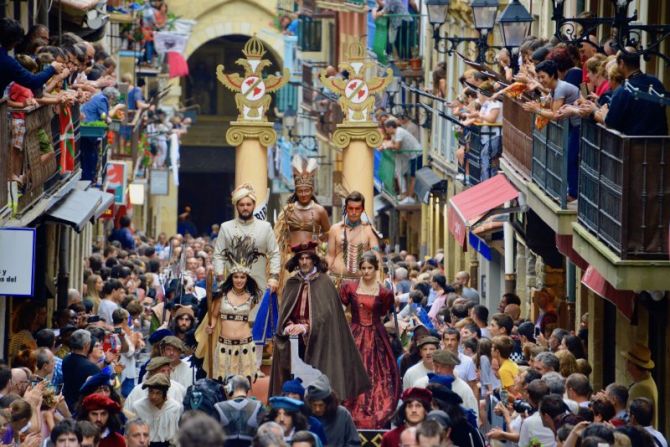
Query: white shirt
182	373
657	435
128	361
413	374
105	310
163	423
460	387
467	369
532	427
175	392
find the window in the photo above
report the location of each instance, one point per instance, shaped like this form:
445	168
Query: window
309	34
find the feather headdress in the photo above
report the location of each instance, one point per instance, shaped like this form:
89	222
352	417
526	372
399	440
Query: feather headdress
241	254
304	171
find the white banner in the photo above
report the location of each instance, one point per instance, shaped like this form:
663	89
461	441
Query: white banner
168	41
17	261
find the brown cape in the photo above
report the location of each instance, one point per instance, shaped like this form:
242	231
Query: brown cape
330	347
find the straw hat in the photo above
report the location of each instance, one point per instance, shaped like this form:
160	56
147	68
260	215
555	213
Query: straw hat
640	355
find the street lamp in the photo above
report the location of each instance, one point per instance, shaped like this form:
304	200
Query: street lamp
437	12
628	32
514	24
484	14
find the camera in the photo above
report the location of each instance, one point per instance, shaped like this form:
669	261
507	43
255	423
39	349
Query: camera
522	406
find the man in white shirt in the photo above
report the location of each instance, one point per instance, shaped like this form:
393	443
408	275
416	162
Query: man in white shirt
159	411
157	365
112	293
534	425
173	348
466	370
444	363
642	414
427	346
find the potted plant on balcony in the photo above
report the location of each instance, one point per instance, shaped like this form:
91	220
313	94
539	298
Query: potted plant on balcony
415	62
93	129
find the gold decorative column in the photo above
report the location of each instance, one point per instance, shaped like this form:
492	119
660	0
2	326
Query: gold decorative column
358	134
252	133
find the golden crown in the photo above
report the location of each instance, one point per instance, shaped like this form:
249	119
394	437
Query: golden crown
356	51
254	48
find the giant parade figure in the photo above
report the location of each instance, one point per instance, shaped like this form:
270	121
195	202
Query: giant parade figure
311	311
303	219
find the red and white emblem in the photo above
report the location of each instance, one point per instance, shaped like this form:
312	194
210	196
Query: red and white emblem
253	88
356	91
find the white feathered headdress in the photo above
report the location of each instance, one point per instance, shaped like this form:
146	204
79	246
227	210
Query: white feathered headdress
304	171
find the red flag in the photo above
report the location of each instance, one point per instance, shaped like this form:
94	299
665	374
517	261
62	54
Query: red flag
67	149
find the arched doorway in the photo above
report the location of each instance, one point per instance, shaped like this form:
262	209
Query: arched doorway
207	174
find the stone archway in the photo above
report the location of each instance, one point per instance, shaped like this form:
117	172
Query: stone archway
216	18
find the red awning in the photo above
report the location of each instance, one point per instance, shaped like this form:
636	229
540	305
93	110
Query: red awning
468	207
564	245
624	300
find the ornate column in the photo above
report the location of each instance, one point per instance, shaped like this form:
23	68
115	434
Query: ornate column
252	133
358	134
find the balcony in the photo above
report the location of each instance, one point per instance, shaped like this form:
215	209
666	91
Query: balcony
624	207
44	168
547	188
395	39
389	179
517	140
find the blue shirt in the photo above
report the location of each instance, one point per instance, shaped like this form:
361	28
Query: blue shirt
12	71
134	95
632	116
95	107
57	376
125	237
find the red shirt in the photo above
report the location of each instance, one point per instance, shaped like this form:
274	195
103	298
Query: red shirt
113	440
19	93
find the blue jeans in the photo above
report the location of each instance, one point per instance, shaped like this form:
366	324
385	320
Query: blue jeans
89	158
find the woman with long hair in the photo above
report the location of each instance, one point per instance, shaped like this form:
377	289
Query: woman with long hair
228	319
369	303
94	285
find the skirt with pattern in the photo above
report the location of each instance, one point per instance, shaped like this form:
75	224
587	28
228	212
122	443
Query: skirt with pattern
235	357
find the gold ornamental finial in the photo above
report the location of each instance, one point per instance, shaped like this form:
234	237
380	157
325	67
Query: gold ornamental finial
356	51
254	48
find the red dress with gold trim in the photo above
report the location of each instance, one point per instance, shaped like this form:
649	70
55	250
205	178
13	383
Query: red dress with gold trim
374	408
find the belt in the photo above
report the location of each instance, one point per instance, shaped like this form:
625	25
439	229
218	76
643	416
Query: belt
228	341
234	317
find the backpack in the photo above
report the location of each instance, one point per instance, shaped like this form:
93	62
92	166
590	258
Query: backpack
240	418
203	395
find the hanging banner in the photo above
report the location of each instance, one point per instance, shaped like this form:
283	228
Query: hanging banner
117	181
17	261
168	41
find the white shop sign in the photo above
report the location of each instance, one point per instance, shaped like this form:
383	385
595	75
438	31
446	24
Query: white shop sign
17	261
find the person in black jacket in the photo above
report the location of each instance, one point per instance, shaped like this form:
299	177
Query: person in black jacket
76	366
11	33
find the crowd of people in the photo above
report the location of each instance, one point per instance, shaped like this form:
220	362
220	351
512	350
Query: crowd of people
560	82
172	331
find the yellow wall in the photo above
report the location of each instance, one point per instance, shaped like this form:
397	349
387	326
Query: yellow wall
217	18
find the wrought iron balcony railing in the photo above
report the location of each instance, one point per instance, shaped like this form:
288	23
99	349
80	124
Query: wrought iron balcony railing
624	191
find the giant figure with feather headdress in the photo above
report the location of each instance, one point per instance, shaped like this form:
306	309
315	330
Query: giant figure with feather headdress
303	219
226	324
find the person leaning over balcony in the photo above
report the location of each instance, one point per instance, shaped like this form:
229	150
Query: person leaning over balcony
402	140
649	117
11	33
562	93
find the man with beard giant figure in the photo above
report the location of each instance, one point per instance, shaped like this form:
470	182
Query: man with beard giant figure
244	200
311	311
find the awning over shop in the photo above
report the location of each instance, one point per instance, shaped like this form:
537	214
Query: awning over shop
564	245
107	200
426	182
624	300
77	208
484	199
